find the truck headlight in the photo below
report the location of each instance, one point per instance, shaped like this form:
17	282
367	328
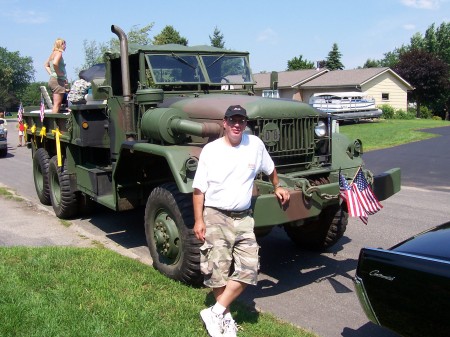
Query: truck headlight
355	149
320	129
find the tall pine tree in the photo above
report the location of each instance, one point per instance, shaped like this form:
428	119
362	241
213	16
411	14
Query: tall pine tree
334	59
217	39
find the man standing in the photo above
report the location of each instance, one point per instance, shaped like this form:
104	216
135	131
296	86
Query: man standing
223	187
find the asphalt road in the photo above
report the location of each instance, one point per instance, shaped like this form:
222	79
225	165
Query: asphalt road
311	290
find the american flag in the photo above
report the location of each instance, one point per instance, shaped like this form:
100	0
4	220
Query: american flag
354	206
20	113
365	194
42	113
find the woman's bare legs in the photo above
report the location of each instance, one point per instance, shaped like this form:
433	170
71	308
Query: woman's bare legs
57	101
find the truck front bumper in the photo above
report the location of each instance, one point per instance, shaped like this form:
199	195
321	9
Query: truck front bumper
267	210
387	184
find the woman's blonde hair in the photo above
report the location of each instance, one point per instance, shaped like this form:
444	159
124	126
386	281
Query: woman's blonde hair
58	44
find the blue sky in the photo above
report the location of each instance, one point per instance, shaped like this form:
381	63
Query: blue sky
272	31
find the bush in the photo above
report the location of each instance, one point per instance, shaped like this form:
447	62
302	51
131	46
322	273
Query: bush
402	114
425	112
437	118
388	111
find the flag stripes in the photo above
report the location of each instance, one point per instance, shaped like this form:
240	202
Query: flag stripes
360	199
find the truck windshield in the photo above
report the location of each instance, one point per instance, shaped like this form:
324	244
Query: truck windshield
227	69
175	69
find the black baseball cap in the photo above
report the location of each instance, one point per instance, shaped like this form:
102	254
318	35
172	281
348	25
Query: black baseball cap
234	110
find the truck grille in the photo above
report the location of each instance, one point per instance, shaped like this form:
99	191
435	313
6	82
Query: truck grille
289	141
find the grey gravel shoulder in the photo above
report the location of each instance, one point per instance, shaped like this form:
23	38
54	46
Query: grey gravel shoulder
26	223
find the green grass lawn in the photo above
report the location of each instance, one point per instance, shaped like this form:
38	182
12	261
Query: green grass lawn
61	291
381	134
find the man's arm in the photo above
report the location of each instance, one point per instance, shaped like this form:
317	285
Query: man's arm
280	192
198	199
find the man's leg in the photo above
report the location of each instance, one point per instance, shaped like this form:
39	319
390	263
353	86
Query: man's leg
226	295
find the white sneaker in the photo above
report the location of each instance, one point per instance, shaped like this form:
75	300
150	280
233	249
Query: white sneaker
230	327
212	321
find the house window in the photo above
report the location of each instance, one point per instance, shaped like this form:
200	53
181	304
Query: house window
385	96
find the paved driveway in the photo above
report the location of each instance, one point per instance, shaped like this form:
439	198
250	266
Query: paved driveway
424	164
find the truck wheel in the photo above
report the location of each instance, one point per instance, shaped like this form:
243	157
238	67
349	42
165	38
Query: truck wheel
169	219
320	233
41	161
64	200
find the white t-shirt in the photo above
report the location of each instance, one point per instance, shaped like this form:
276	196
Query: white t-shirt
226	173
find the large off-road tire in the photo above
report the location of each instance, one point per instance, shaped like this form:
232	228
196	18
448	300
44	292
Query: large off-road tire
172	243
64	200
41	161
320	233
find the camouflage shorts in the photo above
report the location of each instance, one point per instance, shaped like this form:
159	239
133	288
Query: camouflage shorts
230	250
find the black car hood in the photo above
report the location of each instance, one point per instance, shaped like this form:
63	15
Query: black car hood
433	243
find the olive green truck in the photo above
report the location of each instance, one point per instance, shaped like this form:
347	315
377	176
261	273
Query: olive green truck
137	142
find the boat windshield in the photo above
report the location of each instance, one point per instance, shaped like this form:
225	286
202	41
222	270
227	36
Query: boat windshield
227	69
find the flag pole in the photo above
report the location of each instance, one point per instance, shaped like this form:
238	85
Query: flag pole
357	171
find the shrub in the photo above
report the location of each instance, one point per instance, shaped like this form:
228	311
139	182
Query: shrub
388	111
437	118
402	114
425	112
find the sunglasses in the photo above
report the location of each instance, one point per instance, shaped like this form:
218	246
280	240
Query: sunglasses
234	121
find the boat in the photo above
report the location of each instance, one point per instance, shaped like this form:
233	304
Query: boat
351	105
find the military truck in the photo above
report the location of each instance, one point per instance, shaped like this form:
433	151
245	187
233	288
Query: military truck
136	142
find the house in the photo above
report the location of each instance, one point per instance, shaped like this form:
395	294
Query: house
383	84
289	82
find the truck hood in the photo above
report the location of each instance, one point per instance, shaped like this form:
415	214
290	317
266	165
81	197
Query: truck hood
213	107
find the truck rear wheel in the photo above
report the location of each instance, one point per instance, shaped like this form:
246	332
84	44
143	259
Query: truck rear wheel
64	200
41	161
172	243
320	233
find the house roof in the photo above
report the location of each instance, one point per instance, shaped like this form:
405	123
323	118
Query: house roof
288	79
350	78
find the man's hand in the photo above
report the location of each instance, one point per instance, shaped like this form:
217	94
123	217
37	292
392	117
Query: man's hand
283	195
200	230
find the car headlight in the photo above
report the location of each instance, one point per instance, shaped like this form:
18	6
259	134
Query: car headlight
320	129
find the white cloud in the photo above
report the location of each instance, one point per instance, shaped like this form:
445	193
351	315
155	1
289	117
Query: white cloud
409	26
268	35
26	17
422	4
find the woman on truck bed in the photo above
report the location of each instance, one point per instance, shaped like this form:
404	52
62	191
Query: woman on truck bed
56	68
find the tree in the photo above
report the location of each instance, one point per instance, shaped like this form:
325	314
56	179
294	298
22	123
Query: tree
299	63
217	39
92	54
16	72
169	35
427	73
391	58
417	42
438	42
31	95
94	51
334	59
371	64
